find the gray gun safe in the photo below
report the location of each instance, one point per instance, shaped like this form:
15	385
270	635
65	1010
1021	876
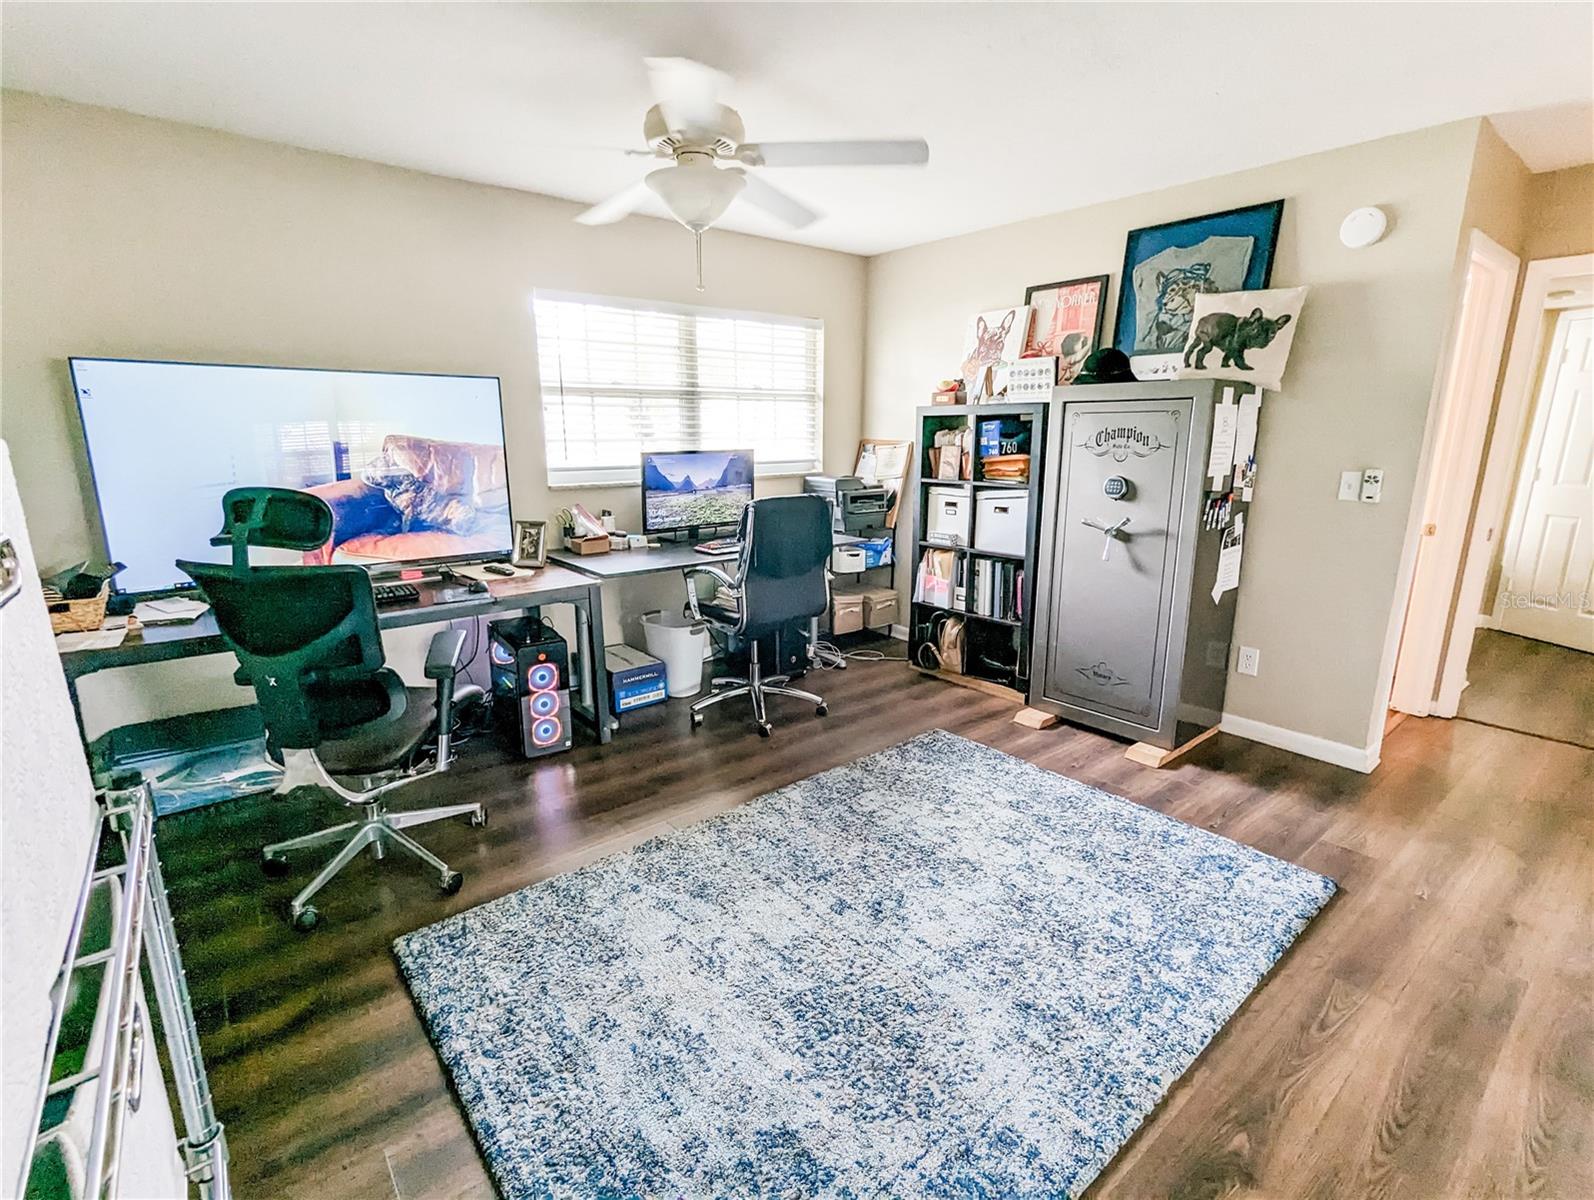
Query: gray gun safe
1127	637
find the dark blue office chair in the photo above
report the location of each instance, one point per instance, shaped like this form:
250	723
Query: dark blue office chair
307	640
782	576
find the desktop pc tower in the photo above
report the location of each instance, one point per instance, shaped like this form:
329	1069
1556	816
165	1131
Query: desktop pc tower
530	668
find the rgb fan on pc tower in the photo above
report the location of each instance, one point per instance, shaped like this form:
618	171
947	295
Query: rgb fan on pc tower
531	692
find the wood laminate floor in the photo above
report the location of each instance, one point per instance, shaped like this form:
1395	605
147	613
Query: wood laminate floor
1428	1036
1532	686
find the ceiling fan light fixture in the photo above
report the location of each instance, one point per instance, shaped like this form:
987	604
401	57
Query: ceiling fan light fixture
697	194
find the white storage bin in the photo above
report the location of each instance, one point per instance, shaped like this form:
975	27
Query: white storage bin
847	560
947	522
1000	521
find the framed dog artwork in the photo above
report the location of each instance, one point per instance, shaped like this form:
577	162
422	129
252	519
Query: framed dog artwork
1243	335
1167	266
1065	322
993	345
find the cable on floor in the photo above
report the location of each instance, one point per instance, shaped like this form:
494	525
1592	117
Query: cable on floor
827	652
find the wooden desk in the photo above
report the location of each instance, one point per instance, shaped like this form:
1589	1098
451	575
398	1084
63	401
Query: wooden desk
528	593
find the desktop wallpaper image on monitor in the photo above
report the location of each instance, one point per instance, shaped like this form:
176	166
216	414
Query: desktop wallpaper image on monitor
695	488
412	466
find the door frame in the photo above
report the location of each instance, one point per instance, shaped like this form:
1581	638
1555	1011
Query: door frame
1448	478
1519	396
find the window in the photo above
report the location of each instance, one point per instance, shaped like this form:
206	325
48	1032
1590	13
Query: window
623	376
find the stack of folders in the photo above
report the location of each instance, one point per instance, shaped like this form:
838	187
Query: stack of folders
998	589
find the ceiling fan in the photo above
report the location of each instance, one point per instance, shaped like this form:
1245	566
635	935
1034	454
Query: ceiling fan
691	127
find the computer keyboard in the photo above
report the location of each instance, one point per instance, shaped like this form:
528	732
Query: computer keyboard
717	546
396	593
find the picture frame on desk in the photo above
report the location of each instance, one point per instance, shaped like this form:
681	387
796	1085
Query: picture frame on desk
531	544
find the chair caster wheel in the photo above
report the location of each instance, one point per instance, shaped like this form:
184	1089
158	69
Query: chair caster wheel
452	882
477	820
306	919
274	865
697	720
765	729
821	710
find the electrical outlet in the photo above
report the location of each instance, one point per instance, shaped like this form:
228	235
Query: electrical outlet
1350	485
1250	660
1372	485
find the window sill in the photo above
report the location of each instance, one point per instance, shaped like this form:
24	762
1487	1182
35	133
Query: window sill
609	486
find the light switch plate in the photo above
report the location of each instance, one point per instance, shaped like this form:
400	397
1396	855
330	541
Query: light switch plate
1250	661
1372	485
1350	485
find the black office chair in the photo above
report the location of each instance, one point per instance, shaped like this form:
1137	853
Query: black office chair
782	576
308	642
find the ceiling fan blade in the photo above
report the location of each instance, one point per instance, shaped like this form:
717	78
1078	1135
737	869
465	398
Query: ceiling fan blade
687	92
910	152
776	202
621	204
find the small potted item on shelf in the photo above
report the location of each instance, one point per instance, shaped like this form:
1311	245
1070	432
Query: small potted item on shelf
949	391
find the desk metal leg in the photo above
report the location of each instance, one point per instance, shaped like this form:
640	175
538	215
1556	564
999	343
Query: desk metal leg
589	637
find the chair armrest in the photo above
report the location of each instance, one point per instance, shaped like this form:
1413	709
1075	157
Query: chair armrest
444	660
446	655
714	573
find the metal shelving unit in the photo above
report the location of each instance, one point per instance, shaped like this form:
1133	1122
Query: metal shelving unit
134	891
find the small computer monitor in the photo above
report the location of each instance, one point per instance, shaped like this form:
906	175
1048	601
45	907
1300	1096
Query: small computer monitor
695	489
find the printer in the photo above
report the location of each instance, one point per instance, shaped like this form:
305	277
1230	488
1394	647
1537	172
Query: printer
856	507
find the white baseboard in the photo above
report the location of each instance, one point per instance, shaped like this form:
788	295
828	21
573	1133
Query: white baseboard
1341	754
900	632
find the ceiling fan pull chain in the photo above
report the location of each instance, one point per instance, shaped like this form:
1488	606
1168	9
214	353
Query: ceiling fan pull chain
697	237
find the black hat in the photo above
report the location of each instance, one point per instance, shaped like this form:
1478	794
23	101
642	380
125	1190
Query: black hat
1106	366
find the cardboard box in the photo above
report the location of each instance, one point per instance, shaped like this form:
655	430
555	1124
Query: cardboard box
880	607
636	678
846	612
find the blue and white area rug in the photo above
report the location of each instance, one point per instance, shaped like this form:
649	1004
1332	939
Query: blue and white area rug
936	971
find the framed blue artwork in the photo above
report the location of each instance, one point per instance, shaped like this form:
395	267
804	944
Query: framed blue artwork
1167	266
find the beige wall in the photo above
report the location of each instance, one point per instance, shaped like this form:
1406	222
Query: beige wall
123	236
1319	575
1560	213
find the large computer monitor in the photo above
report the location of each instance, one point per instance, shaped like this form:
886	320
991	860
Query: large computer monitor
412	466
694	489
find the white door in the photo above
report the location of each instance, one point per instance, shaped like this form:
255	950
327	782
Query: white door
1547	571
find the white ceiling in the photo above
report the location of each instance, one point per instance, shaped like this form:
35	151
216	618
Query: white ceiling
1028	108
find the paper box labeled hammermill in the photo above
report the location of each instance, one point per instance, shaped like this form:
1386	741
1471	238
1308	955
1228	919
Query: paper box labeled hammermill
636	678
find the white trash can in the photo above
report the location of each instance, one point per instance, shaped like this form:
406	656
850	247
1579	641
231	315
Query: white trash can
681	643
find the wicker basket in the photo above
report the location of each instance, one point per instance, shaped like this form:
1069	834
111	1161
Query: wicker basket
76	616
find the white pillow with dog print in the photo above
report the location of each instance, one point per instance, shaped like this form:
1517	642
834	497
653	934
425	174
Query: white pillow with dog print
1243	335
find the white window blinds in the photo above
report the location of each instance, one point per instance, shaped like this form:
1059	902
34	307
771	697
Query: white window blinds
623	376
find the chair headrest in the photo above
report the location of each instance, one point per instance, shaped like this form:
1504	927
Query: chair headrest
278	517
